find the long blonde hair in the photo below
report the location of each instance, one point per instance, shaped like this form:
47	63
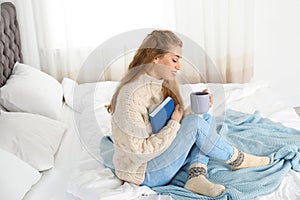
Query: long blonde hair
156	44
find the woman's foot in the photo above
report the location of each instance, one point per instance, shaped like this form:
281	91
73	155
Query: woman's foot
241	160
198	183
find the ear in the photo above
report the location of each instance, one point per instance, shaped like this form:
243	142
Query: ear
155	60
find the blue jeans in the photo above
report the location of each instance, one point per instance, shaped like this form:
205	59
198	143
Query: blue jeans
196	141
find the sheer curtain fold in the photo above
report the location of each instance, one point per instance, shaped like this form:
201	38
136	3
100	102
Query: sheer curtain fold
58	35
225	31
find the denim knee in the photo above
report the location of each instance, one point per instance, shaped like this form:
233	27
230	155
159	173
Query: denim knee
194	122
107	151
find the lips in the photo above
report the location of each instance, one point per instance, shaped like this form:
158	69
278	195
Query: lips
174	73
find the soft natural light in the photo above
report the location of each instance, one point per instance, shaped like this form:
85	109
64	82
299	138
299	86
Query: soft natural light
92	22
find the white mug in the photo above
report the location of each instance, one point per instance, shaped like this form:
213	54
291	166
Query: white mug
199	102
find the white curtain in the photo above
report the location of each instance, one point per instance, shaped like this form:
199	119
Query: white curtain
58	35
224	28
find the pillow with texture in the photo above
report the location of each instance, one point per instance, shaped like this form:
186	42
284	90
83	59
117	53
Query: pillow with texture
16	176
31	90
33	138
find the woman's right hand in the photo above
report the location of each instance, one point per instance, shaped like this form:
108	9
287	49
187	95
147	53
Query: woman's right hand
177	114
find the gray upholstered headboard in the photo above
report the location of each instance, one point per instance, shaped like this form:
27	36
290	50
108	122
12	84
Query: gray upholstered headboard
10	45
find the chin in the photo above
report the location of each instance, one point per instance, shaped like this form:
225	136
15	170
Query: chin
170	78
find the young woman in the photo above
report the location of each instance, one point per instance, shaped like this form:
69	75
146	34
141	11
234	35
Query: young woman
153	159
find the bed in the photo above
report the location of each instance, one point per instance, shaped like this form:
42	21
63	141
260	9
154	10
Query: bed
50	141
35	137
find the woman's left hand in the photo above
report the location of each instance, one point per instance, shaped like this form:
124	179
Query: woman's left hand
210	98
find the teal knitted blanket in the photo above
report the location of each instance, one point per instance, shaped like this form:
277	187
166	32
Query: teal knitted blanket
253	134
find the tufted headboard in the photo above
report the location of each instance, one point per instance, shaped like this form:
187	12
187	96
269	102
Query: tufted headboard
10	45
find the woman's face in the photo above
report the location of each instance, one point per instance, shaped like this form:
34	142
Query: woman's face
167	66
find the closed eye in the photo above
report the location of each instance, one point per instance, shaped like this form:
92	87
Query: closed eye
175	58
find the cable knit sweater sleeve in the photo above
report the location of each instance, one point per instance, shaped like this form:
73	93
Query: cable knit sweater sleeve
131	127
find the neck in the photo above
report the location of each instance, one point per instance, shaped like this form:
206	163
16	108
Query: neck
154	75
154	78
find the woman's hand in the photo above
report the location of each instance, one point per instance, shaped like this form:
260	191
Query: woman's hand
177	114
210	98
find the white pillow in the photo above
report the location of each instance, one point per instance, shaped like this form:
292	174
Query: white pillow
81	96
2	108
98	94
31	90
89	100
16	176
33	138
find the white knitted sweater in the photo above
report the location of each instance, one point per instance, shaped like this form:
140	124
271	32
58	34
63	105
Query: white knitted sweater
135	144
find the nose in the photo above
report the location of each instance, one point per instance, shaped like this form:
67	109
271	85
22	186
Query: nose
178	66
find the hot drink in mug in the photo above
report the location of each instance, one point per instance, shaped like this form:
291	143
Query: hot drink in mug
199	102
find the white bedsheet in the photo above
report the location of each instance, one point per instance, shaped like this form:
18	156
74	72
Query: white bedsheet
93	181
79	173
53	184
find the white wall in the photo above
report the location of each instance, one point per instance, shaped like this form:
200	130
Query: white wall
277	47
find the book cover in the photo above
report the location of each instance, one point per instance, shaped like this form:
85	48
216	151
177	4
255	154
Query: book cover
161	114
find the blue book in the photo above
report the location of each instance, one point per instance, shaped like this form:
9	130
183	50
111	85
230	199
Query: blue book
161	114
